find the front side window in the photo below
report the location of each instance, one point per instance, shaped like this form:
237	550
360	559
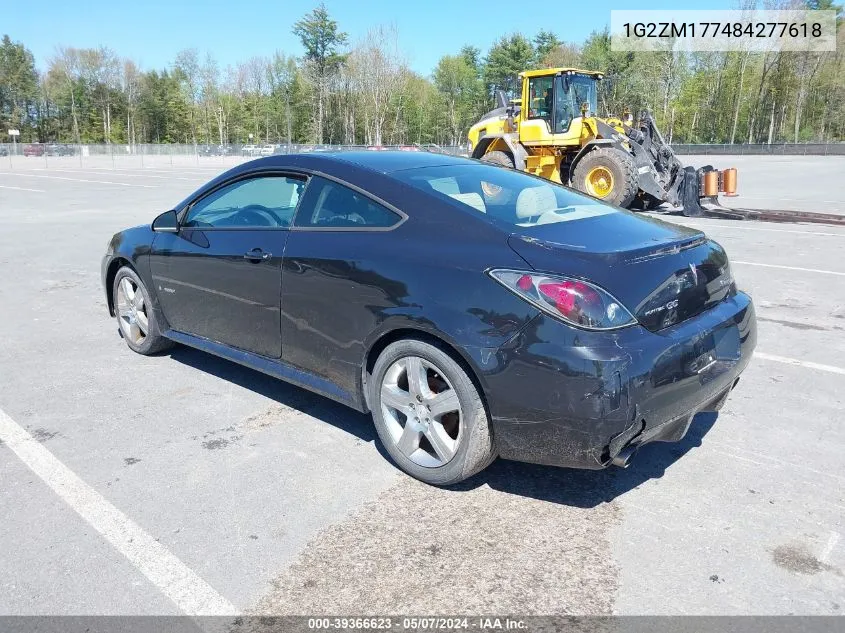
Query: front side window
260	202
540	98
504	195
328	204
571	92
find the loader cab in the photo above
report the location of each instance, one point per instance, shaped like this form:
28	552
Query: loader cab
552	99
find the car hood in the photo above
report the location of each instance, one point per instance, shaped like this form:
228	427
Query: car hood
663	273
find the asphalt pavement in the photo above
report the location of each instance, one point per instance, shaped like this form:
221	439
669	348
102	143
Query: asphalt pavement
158	485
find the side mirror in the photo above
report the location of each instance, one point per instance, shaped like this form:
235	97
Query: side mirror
167	222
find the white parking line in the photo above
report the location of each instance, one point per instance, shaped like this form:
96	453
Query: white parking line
21	189
173	578
828	549
175	169
746	227
103	182
132	174
807	201
806	270
800	363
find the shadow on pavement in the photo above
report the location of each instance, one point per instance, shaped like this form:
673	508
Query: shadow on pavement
589	488
286	394
579	488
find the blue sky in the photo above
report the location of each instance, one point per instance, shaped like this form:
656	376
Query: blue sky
152	31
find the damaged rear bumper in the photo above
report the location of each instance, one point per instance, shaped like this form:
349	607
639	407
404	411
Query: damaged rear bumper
567	397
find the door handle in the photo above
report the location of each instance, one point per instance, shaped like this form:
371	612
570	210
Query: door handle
256	254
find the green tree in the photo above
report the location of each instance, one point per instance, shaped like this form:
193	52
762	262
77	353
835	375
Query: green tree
472	56
456	81
282	74
186	69
544	43
620	87
18	88
508	57
321	40
564	55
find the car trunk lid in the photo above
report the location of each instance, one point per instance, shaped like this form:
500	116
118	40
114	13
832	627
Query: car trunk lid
663	273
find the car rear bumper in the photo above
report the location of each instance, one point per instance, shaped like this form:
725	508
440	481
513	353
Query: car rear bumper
567	397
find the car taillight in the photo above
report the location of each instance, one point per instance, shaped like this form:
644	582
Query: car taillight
575	301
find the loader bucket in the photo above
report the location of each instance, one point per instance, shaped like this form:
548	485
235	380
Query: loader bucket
690	192
702	186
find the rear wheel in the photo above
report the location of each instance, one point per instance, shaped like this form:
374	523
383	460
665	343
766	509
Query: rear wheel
428	414
498	158
608	174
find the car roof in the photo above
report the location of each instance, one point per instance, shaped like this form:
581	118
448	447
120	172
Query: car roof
384	162
339	164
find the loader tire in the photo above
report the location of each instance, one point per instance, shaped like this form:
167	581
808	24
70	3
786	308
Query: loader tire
498	158
608	174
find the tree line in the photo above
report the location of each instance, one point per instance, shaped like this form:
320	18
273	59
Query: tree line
364	92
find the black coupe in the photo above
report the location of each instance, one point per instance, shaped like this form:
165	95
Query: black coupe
475	310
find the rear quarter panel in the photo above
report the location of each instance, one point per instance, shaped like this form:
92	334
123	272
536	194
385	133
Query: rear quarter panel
343	290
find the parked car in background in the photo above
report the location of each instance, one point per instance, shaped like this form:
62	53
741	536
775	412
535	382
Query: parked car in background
215	150
266	150
34	149
4	151
60	149
474	310
250	150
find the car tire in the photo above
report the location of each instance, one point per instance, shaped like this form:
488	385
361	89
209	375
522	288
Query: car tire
134	315
611	167
467	430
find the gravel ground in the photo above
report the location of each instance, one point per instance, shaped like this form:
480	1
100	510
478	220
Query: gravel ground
471	549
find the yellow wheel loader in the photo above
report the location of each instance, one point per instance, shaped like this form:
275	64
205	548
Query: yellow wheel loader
553	131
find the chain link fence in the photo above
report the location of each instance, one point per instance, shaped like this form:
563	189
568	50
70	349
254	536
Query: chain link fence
162	155
156	155
764	149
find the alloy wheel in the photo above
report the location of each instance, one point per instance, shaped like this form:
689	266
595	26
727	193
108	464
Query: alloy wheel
422	412
132	311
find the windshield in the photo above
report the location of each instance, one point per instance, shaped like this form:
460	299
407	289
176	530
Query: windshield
504	195
570	92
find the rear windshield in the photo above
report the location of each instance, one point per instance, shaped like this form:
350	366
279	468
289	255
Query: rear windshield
504	195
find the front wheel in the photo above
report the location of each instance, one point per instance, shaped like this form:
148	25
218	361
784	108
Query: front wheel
135	315
429	414
609	174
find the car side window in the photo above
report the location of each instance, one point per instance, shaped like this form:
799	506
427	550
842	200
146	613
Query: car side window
328	204
259	202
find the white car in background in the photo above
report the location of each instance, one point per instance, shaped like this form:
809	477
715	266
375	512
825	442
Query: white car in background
266	150
250	150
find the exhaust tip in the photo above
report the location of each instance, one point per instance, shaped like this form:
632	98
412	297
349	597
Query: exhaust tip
623	459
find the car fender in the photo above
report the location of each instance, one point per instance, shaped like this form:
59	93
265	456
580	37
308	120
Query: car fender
132	246
476	346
